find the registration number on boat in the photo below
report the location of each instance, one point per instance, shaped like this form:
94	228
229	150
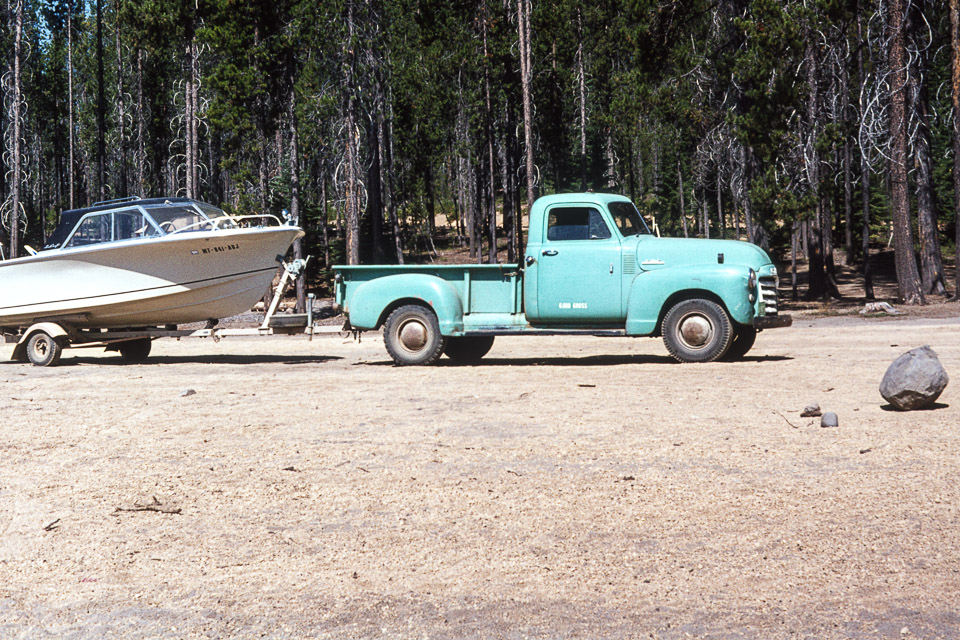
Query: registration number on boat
220	249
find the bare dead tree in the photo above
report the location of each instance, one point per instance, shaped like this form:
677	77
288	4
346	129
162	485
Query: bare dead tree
865	153
12	212
955	96
526	74
70	133
931	262
908	278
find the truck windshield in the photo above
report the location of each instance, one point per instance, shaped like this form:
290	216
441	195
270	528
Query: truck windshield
628	219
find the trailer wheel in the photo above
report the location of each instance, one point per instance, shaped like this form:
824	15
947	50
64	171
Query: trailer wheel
412	335
135	350
468	349
743	340
697	330
43	350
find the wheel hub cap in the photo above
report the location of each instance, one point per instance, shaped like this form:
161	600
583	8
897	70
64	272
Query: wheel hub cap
413	336
696	330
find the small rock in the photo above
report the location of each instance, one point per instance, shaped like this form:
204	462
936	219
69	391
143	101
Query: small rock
187	392
811	411
829	419
915	380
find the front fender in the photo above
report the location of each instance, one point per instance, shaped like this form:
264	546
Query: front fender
651	290
52	329
368	302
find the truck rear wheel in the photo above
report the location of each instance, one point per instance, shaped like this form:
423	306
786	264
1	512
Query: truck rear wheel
697	330
743	339
412	335
468	349
43	350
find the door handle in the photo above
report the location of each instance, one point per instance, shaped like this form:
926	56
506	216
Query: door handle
549	252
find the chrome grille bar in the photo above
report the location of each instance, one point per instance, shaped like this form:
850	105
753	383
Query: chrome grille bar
768	293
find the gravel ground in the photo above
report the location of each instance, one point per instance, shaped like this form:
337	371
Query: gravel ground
564	488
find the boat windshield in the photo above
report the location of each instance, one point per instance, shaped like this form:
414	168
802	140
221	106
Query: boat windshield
111	226
172	218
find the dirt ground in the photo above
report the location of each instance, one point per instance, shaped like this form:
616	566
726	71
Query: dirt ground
565	488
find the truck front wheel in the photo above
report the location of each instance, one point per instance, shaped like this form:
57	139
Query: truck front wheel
697	331
412	335
468	349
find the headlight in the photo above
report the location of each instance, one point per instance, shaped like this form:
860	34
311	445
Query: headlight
752	280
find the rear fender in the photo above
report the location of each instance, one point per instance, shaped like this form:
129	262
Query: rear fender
651	292
371	302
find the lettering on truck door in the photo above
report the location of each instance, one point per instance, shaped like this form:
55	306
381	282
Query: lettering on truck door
579	268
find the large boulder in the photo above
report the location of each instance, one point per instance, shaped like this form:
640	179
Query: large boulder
915	380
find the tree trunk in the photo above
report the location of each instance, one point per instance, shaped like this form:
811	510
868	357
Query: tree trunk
491	166
931	261
720	217
850	258
955	95
526	74
101	112
908	278
388	170
374	191
141	153
324	218
582	86
16	131
746	161
817	285
865	171
683	207
70	133
122	188
351	160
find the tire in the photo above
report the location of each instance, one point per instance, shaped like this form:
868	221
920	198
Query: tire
43	350
468	349
412	336
135	350
697	330
743	340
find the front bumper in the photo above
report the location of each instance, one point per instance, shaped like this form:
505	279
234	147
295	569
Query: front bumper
772	322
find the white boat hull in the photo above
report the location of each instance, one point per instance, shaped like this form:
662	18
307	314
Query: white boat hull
179	278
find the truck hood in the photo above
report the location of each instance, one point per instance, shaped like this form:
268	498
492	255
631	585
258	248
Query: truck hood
658	253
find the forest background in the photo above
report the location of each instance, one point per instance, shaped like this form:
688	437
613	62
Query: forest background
822	130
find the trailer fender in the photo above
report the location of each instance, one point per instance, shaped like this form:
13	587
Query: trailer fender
52	329
373	301
653	291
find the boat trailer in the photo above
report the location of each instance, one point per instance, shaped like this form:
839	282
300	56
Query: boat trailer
43	342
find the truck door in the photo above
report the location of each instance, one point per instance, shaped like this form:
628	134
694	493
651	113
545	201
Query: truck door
578	268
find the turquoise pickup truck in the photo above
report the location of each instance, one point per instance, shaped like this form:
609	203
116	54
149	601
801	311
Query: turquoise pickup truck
591	267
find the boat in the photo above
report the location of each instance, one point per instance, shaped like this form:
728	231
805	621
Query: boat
144	262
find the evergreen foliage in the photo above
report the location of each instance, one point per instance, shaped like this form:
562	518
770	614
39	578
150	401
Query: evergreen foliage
747	119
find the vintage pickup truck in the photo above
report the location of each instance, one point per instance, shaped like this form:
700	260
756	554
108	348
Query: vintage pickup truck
591	267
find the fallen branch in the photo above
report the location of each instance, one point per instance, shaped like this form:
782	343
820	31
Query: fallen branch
785	419
152	506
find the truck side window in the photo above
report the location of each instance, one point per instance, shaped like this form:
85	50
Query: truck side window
576	223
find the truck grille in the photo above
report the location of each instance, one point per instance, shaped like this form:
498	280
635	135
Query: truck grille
768	293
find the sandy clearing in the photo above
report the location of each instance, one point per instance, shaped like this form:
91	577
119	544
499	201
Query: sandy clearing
566	487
